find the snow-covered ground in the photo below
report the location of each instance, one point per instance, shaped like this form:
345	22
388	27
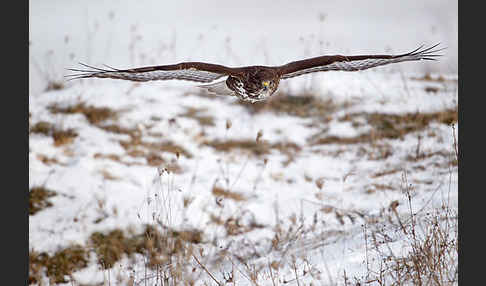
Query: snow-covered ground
317	195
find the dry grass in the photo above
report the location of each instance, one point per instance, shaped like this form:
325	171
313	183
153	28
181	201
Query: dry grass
63	137
433	255
137	147
42	127
113	128
36	267
39	199
252	146
388	126
235	225
94	115
238	223
255	148
380	187
304	105
220	192
196	114
115	158
192	236
431	89
431	244
109	176
57	266
48	160
170	249
431	259
111	247
385	172
421	156
154	159
428	77
167	252
158	247
54	85
60	136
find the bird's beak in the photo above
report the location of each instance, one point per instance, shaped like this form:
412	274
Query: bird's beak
266	83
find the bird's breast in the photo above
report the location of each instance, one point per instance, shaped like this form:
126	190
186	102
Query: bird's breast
248	90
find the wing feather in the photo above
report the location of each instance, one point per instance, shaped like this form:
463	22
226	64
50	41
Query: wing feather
220	88
191	71
354	63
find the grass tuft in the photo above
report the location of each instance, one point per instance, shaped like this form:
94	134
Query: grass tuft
196	114
60	136
388	126
39	199
158	247
220	192
54	85
241	144
56	267
94	115
429	251
305	105
255	148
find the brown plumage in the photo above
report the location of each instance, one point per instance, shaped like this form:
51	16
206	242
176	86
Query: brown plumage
252	83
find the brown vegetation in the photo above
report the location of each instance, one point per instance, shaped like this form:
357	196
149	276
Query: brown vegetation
255	148
196	114
60	136
93	114
305	105
388	126
432	253
58	265
39	199
220	192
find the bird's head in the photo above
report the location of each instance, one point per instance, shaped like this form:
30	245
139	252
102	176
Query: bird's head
269	85
266	84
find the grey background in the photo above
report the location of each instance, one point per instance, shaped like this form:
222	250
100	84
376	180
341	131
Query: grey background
128	33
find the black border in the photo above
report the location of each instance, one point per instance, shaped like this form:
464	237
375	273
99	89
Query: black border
15	114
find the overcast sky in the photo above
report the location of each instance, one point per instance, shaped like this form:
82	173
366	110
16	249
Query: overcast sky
125	33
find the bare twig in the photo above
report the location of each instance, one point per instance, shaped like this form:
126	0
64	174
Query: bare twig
455	141
207	271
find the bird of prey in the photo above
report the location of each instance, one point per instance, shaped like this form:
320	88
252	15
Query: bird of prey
252	83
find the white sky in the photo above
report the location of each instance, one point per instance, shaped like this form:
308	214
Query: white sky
259	32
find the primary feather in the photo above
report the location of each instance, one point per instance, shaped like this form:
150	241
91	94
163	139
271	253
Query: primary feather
353	63
198	72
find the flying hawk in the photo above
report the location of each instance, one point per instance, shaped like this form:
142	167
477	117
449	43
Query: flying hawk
252	83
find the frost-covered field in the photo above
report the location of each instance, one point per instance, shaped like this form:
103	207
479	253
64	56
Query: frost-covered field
316	185
325	191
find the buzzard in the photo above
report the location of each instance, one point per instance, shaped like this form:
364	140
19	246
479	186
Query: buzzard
252	83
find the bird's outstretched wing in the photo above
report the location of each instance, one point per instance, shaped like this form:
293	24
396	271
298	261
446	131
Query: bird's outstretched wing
354	63
219	87
191	71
